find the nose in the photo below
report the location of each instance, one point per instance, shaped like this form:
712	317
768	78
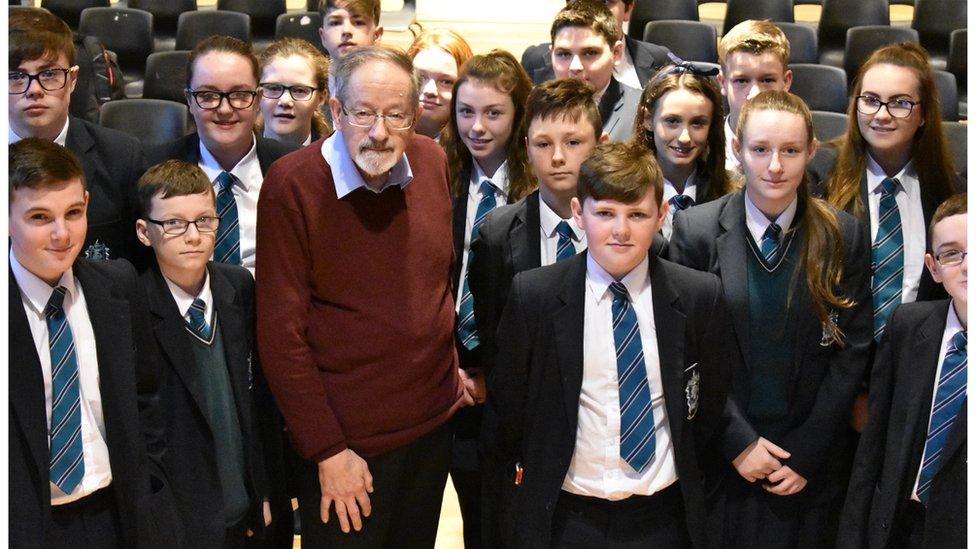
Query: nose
557	156
775	166
430	87
34	87
621	228
286	99
576	65
224	106
478	125
685	136
753	91
59	230
347	27
192	234
883	113
378	131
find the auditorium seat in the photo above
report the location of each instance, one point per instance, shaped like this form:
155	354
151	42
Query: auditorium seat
166	14
737	11
862	41
655	10
689	40
839	15
945	82
828	125
194	26
70	10
127	32
823	88
152	121
304	25
165	76
803	42
935	20
956	138
956	64
264	16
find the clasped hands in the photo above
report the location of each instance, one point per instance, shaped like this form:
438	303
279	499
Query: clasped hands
761	460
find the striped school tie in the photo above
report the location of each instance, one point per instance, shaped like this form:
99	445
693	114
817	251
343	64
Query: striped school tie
769	245
227	248
564	248
467	329
887	258
197	321
680	202
637	439
67	457
949	397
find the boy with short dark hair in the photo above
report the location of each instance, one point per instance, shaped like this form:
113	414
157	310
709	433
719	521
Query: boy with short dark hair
597	412
349	23
203	320
85	439
908	485
754	57
586	44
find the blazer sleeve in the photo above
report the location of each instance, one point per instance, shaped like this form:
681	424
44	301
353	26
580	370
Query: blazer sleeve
811	441
717	354
853	528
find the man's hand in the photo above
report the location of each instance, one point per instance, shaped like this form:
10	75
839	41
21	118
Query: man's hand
346	482
785	482
473	381
759	459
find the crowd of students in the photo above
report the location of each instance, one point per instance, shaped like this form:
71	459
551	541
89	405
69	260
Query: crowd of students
617	314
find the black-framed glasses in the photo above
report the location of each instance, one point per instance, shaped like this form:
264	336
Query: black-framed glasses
951	258
237	99
176	227
272	90
363	118
49	79
898	108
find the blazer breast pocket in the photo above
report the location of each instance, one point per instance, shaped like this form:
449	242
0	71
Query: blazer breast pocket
692	387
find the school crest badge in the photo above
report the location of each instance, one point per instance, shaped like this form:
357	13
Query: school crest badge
827	338
691	394
97	251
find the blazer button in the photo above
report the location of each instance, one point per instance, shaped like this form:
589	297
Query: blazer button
549	506
884	525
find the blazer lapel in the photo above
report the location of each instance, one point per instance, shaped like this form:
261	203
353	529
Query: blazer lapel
80	141
230	318
170	330
608	105
643	64
928	339
567	330
27	401
669	324
957	437
733	250
524	236
458	220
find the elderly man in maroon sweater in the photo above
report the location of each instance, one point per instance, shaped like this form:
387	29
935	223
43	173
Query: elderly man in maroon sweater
355	314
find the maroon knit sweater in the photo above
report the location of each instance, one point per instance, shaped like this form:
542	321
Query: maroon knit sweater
355	314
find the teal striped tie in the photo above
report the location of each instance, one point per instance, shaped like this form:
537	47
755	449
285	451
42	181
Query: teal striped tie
637	441
949	397
564	247
887	258
227	248
67	457
769	245
467	329
197	321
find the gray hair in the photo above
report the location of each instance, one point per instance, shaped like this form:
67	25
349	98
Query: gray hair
342	69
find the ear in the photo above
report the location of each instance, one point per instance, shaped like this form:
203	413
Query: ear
720	77
787	80
618	51
73	78
577	208
629	11
335	107
377	34
737	149
812	151
322	34
142	232
933	268
604	137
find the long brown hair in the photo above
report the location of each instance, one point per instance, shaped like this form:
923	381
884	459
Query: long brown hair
930	155
822	254
711	163
500	69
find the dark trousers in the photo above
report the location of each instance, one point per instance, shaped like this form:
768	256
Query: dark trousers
466	472
408	487
92	521
639	521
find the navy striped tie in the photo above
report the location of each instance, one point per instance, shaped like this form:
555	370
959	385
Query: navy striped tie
467	329
67	456
887	258
680	202
637	439
197	321
564	248
769	246
227	248
949	397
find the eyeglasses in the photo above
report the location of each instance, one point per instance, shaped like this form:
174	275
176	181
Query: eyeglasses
176	227
209	100
951	258
898	108
362	118
298	93
49	79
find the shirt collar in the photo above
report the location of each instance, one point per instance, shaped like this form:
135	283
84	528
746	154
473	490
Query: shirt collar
548	219
757	221
690	189
599	96
347	177
184	300
499	180
598	280
37	291
876	175
212	168
61	139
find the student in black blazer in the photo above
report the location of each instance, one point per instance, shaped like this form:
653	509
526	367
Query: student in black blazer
213	396
121	497
911	374
112	160
542	382
795	278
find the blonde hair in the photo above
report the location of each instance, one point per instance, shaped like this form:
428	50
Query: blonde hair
288	47
756	37
822	254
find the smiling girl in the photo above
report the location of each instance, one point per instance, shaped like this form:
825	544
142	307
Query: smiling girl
795	277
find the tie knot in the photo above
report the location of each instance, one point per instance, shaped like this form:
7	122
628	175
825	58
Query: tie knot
564	230
225	180
772	231
199	306
681	202
958	341
889	185
487	188
55	303
619	291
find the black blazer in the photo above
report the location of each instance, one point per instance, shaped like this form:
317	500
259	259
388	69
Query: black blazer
890	452
127	369
648	58
113	163
188	149
193	474
825	379
534	389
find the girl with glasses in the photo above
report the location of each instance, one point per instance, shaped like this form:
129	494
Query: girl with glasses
294	84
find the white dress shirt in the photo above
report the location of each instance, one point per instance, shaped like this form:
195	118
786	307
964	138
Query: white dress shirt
500	180
909	201
597	470
731	162
757	222
184	300
346	175
35	294
625	72
953	326
246	190
691	191
61	139
549	238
